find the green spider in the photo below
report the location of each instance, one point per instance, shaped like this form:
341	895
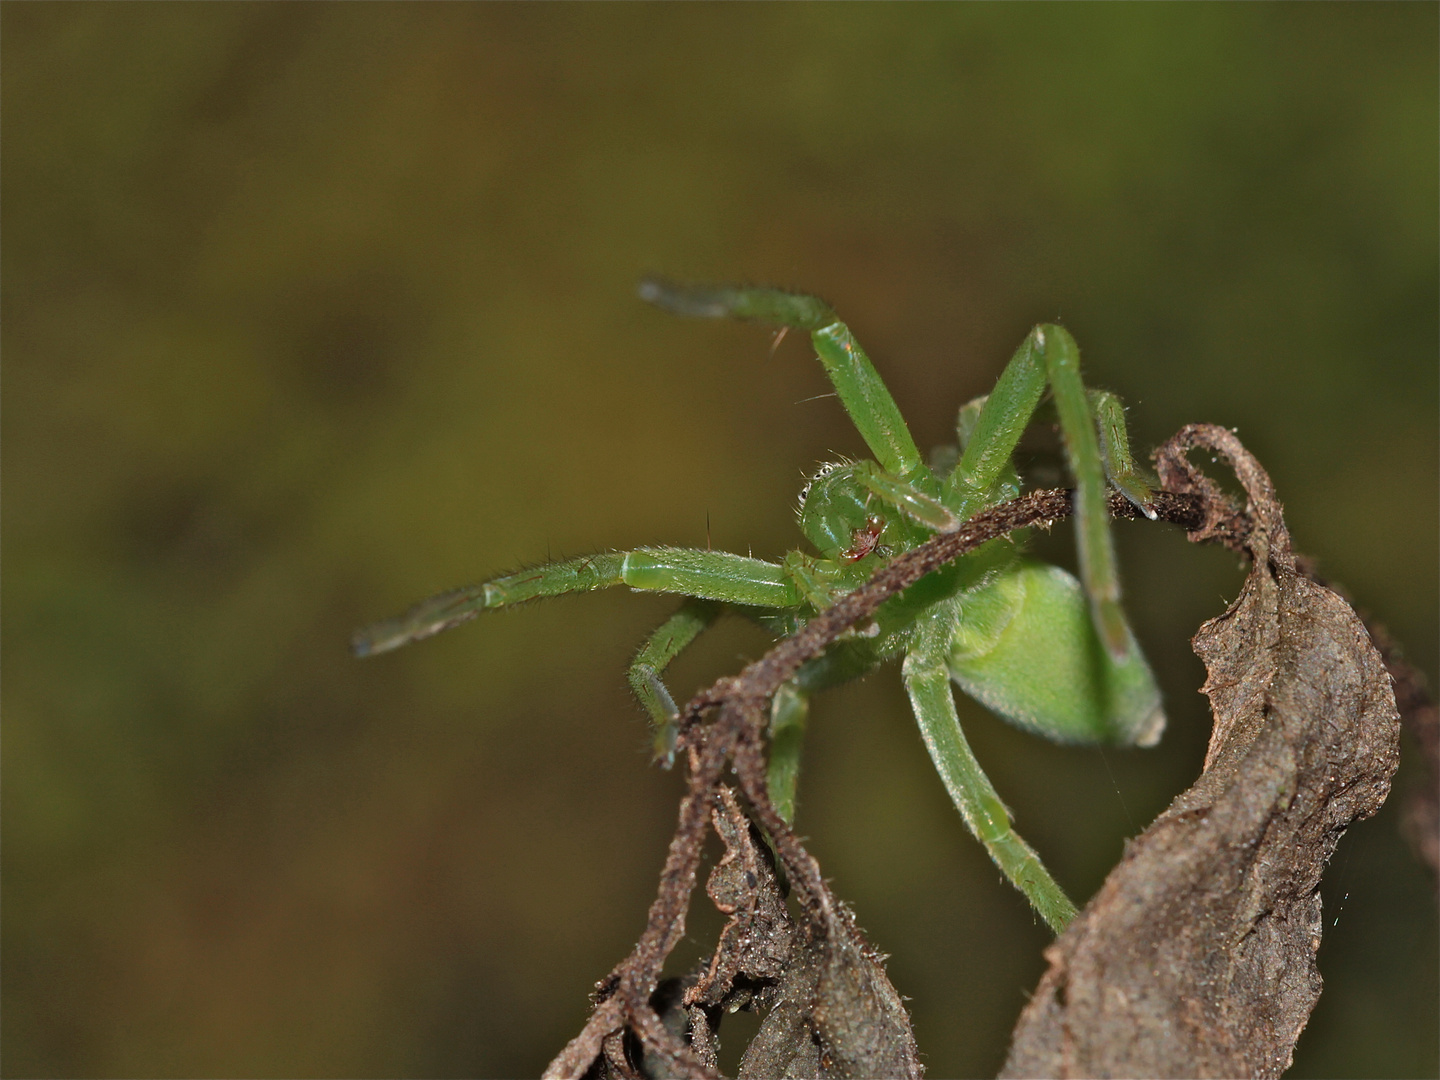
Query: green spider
1018	636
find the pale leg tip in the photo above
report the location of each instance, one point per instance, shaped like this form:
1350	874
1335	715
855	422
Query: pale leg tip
1150	730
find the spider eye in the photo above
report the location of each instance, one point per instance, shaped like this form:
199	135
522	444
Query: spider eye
825	469
833	507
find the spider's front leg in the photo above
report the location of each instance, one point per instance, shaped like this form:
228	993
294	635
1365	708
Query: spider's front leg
927	682
858	385
709	575
710	579
1049	354
1096	548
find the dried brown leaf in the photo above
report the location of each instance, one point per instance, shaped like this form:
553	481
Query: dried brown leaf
1197	957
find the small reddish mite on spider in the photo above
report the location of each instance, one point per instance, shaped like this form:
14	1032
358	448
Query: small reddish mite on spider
864	541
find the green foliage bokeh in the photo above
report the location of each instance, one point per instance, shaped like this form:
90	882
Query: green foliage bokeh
312	310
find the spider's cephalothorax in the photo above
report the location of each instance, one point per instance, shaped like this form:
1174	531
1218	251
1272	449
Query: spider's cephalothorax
837	509
832	508
1027	640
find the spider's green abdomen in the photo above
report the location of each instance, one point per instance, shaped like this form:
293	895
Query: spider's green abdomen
1026	648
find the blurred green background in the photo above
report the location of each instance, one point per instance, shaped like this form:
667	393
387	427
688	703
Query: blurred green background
312	310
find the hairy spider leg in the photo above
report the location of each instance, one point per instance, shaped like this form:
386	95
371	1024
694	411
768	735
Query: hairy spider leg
867	401
989	444
1049	354
905	496
1120	466
858	385
671	638
708	575
927	682
789	709
1082	447
711	581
